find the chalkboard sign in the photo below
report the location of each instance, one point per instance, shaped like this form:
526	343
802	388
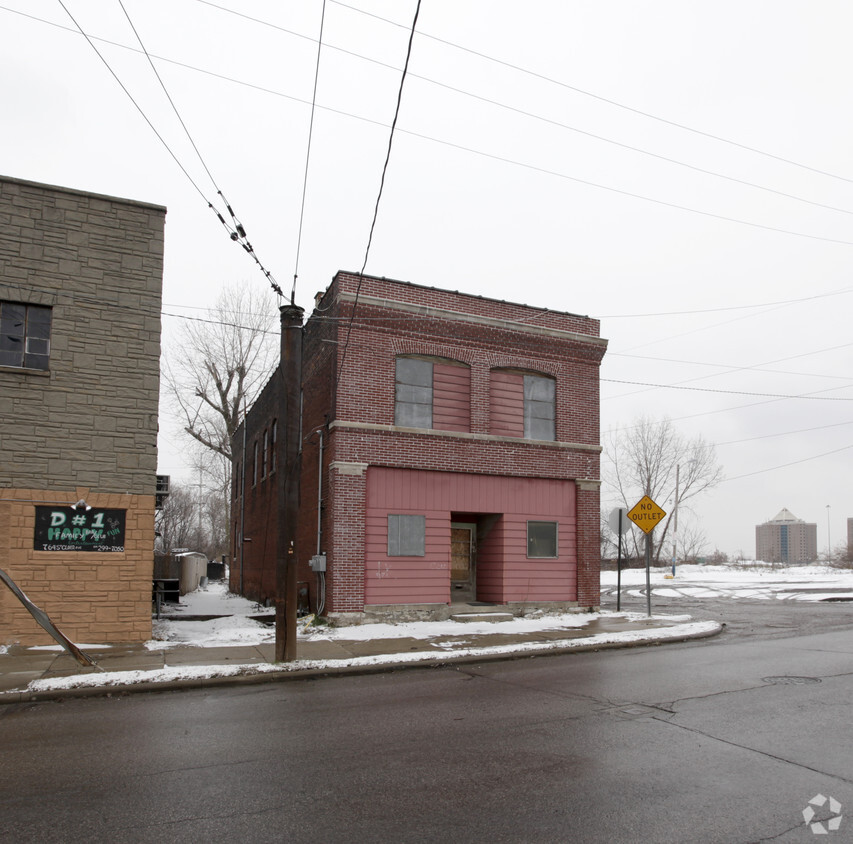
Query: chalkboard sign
79	529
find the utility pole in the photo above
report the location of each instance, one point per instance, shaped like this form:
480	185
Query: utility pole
290	372
200	487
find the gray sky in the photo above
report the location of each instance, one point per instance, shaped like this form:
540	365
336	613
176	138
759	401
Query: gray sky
511	176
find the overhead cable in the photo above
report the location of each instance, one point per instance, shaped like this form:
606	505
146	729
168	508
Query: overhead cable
308	156
531	115
236	232
600	98
381	186
498	158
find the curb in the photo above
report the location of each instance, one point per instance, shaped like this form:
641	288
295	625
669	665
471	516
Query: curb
250	679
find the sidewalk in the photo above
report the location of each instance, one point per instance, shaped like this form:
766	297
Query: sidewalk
46	673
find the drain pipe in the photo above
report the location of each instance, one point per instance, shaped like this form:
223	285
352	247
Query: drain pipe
321	576
243	499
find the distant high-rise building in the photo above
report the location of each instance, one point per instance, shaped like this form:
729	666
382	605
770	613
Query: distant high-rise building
786	539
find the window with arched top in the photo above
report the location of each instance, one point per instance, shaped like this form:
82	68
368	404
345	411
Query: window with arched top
522	405
432	393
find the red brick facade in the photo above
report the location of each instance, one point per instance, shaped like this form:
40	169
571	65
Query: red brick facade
352	341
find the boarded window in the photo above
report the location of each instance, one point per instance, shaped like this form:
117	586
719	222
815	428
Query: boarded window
451	397
406	536
539	394
24	335
541	539
413	397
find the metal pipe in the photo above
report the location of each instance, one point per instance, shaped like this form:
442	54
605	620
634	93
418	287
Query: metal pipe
243	499
320	496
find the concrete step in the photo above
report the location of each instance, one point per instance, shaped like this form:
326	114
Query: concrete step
493	617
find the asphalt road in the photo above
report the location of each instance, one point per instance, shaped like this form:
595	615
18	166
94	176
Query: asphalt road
725	739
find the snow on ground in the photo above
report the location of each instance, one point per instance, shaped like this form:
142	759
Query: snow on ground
195	672
801	583
756	581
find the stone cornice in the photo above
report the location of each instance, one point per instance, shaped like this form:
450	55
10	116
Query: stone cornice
461	435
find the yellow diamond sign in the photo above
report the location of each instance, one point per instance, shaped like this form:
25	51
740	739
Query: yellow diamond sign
645	514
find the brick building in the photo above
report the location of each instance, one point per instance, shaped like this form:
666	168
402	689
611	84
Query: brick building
449	454
80	294
786	539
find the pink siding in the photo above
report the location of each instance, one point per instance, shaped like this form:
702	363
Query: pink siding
451	397
506	403
504	573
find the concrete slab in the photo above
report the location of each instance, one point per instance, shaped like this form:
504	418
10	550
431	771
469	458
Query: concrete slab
492	617
214	656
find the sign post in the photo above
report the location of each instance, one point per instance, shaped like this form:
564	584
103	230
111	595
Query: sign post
618	522
646	515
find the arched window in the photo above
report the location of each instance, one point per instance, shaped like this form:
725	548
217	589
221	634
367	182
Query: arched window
522	405
432	393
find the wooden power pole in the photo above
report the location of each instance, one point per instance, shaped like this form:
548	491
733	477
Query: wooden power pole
290	372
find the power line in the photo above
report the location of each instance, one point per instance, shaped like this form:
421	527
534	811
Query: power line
733	392
785	433
136	104
381	186
308	156
237	233
532	115
168	97
600	98
493	157
785	465
731	307
742	368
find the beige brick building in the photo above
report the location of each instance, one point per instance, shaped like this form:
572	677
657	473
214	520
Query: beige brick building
80	296
786	539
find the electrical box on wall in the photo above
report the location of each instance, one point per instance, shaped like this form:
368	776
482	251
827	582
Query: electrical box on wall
318	562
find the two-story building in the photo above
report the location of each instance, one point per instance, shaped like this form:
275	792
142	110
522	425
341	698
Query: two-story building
449	454
80	291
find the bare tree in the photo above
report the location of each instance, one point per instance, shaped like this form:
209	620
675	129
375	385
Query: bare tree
220	364
176	523
644	460
211	375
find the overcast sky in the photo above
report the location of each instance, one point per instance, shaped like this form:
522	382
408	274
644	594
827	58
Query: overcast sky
680	171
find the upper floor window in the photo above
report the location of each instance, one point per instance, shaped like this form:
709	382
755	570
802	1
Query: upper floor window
433	394
273	436
265	454
255	463
24	335
522	405
539	395
413	397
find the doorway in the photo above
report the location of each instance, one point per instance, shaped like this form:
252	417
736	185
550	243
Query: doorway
463	576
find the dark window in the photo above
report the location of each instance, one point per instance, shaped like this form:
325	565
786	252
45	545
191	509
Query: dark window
274	432
265	454
539	394
413	398
24	335
255	463
406	536
541	539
